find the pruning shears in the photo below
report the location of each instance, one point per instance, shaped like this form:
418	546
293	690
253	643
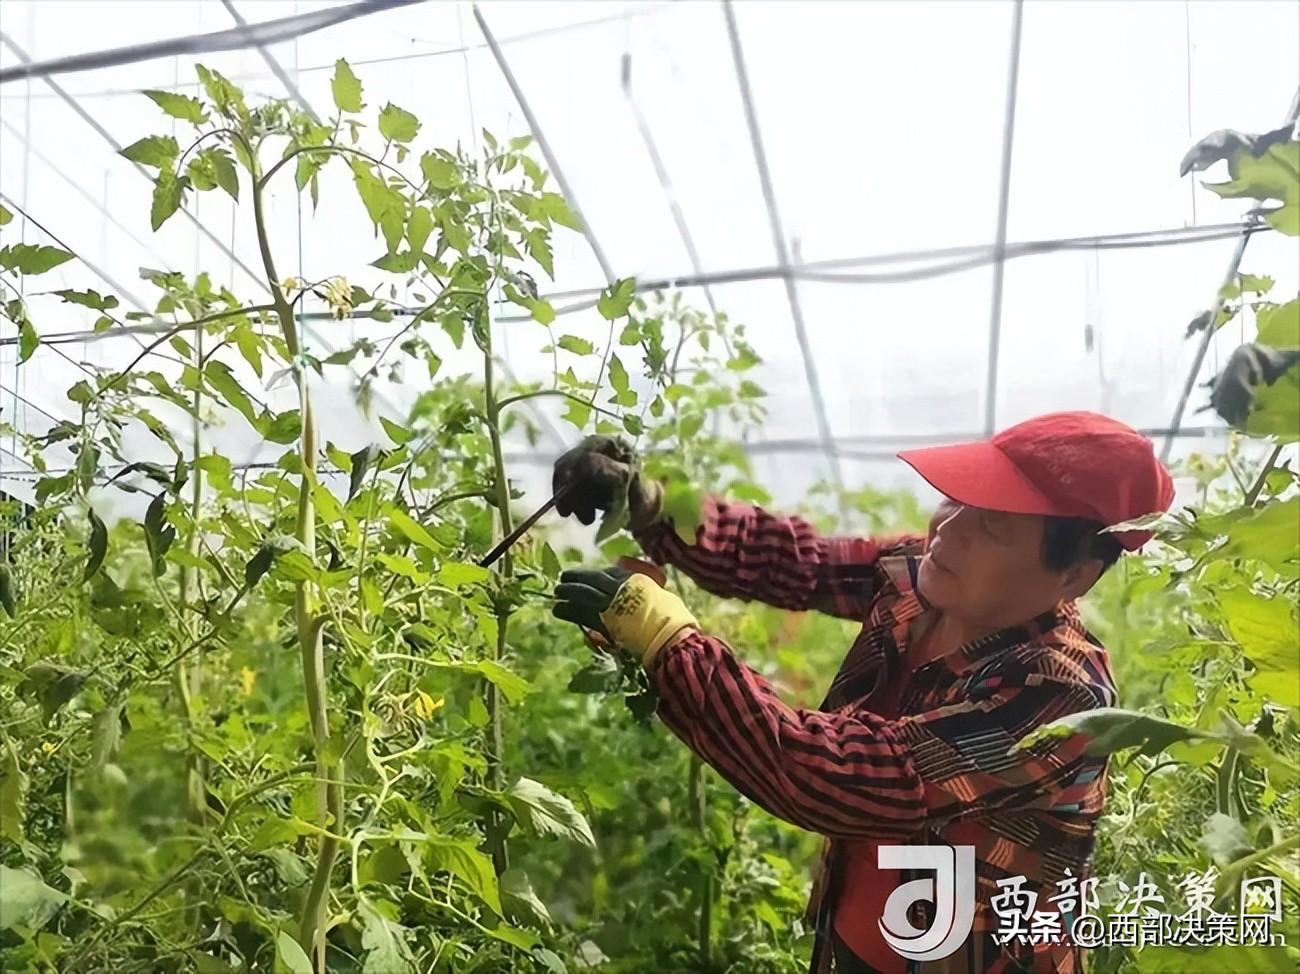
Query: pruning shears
508	541
649	569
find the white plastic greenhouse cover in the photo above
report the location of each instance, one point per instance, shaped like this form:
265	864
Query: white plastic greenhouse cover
882	124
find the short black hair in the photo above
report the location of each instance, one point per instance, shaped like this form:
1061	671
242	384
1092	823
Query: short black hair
1067	541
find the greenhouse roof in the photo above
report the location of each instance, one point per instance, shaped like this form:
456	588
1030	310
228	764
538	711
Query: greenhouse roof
839	180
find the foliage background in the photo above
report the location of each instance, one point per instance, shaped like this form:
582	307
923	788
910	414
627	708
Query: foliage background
166	788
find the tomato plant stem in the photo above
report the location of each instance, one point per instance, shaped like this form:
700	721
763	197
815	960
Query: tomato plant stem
699	806
495	757
1253	494
310	624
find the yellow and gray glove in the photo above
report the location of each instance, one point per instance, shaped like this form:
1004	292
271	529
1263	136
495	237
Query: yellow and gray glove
627	608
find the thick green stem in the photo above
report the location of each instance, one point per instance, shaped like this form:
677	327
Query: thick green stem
496	771
309	622
188	676
698	802
1225	780
1257	487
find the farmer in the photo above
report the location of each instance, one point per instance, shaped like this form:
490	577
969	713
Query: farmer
971	639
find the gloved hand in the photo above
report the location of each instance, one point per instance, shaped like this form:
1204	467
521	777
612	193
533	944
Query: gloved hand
1233	390
628	608
604	471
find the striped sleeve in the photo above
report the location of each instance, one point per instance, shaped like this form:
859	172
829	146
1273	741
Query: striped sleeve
854	774
837	774
743	552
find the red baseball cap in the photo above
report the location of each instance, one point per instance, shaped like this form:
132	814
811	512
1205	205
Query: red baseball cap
1072	464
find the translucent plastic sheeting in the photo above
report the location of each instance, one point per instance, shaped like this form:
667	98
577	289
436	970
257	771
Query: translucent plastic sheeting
882	123
1111	95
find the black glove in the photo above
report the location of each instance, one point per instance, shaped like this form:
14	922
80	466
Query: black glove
603	473
1232	392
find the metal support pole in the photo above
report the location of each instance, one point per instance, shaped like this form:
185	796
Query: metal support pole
782	251
271	62
1004	202
544	144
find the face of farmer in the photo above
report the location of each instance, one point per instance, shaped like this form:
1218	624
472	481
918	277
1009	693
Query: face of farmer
945	510
986	568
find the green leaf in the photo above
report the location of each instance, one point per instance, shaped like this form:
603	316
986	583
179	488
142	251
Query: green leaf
616	299
520	900
1225	839
1276	411
223	381
223	170
543	312
157	151
158	534
106	734
5	216
184	107
32	259
619	381
576	345
632	423
441	173
346	88
550	561
87	465
260	564
555	208
378	197
550	961
360	464
1279	326
289	955
89	299
1268	632
601	675
402	263
283	428
397	125
25	900
168	192
13	798
456	573
1112	729
413	530
383	939
682	507
59	692
466	863
546	813
28	340
250	345
396	432
97	546
226	95
1266	534
578	413
418	228
512	686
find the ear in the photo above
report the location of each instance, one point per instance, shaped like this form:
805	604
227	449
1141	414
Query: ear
1081	577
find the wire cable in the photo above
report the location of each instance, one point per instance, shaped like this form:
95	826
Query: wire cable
234	39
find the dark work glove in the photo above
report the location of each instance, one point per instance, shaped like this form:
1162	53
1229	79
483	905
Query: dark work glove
603	473
1232	391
